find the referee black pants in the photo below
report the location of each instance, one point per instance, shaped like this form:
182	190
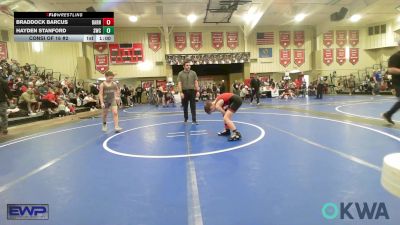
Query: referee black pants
396	105
189	97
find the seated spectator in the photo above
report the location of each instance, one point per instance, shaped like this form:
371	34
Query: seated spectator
72	96
39	82
62	108
13	108
71	108
49	101
287	94
28	102
89	101
244	92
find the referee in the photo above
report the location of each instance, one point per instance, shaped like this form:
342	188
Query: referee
188	85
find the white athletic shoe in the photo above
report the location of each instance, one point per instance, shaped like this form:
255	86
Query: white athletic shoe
118	129
104	128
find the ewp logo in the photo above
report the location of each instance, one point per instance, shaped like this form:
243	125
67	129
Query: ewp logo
27	211
363	211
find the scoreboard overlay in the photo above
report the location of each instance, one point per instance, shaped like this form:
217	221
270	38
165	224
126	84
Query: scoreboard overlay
64	26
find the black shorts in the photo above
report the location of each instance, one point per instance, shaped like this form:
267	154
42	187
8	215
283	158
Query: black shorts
235	103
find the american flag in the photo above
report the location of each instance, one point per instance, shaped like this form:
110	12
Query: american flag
265	38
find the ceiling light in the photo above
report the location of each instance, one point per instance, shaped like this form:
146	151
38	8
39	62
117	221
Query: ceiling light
133	19
355	18
192	18
248	17
299	17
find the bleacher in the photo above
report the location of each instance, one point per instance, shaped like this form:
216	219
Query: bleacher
15	121
33	77
363	83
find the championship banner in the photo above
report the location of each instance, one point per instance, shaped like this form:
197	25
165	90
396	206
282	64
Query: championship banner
180	40
354	56
3	50
284	57
126	53
154	40
299	38
284	38
299	56
353	37
341	38
232	39
217	40
328	56
340	56
196	40
101	62
328	38
100	46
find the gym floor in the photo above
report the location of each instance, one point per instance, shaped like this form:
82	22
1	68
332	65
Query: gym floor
294	157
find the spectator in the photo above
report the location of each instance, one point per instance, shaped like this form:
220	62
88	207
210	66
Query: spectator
28	102
49	101
377	76
255	89
89	101
139	91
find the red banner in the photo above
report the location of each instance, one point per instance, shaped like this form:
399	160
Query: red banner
299	56
328	38
180	40
232	39
126	53
100	46
101	63
196	40
328	56
3	50
217	40
341	37
154	40
353	37
354	56
284	38
284	57
299	38
147	84
340	56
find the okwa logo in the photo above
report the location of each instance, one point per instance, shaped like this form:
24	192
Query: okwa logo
355	210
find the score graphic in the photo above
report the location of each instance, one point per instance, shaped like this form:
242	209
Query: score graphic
64	26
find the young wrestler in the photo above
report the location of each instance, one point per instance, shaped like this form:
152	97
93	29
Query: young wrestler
227	104
107	95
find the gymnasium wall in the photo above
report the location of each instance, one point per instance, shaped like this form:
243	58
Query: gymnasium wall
132	35
366	58
259	65
60	57
63	57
